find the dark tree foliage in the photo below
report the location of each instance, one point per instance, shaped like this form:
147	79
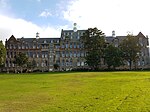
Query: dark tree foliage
93	59
31	64
21	59
2	54
113	56
93	41
131	48
56	66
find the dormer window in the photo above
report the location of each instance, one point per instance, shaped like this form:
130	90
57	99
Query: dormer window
44	41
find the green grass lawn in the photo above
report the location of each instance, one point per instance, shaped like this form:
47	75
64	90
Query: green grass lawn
75	92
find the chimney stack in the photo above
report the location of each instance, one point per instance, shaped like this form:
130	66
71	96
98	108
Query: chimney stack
113	34
37	35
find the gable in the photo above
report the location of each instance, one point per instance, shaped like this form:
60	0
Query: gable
12	39
140	35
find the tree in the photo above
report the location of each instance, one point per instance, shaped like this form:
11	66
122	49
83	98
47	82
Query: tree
113	56
130	47
2	54
21	59
31	65
56	66
93	59
93	42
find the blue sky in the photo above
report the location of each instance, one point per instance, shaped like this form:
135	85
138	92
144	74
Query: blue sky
30	10
23	18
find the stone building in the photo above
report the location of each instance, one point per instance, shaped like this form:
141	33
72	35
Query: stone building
71	50
66	51
144	60
39	50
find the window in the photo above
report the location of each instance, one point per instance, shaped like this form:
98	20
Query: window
78	45
37	64
70	53
38	46
67	53
74	45
143	63
33	55
37	55
63	46
23	47
46	56
70	45
78	37
142	53
19	47
82	53
57	54
14	47
71	62
74	53
63	62
78	54
42	55
141	41
67	62
66	45
26	46
116	45
11	47
138	63
33	46
57	46
30	54
63	54
78	63
82	63
42	64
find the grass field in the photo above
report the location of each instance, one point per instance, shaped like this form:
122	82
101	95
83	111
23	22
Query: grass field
75	92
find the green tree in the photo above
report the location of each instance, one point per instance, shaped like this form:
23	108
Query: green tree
56	66
93	42
31	65
21	59
130	47
113	56
93	59
2	54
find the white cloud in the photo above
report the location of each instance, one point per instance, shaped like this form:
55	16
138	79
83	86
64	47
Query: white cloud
119	15
45	13
22	28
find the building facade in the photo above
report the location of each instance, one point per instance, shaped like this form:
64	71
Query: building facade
144	57
66	51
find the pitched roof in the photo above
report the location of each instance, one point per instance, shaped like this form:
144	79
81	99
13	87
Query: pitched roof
40	40
140	35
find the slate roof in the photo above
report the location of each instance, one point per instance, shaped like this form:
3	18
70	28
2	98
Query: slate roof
40	40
